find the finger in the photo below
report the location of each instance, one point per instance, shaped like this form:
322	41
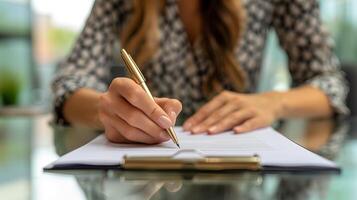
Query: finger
249	125
206	110
215	117
110	132
133	134
230	121
171	106
135	118
137	97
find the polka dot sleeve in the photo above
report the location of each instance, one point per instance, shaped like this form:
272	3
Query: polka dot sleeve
87	66
310	50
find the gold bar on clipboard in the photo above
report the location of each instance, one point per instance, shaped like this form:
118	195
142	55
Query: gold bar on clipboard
207	163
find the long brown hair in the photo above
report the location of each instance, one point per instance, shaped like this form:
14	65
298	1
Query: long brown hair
222	27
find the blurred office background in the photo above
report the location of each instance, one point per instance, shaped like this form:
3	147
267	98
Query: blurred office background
36	34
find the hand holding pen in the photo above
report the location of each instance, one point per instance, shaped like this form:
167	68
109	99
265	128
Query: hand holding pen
139	78
129	115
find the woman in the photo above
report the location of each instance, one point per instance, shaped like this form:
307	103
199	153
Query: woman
205	54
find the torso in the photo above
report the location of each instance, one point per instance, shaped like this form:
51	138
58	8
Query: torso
178	69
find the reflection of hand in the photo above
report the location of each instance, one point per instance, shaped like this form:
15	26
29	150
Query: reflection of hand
154	187
241	112
129	115
173	186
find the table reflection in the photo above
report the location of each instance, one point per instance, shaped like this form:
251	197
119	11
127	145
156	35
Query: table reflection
324	137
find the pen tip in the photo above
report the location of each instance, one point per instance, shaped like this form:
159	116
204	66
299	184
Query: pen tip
178	145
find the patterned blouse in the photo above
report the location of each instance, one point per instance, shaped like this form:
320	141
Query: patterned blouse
178	69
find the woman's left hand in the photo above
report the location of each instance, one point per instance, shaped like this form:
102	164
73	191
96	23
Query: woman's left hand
240	112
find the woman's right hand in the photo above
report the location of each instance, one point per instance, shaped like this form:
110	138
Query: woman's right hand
129	115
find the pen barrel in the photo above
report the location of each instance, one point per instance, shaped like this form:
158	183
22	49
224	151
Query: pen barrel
170	131
146	89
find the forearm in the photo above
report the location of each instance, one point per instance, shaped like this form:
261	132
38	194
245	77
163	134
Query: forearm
82	108
305	101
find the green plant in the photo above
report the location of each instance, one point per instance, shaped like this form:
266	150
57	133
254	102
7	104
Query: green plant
10	87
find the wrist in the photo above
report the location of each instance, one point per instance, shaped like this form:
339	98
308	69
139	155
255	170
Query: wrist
82	108
97	124
277	103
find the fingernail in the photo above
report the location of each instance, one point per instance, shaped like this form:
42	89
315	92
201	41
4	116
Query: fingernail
173	114
196	129
164	122
187	126
213	129
164	135
238	129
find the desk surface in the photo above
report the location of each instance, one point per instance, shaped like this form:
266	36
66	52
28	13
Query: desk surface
28	144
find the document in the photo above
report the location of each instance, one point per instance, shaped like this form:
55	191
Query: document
275	151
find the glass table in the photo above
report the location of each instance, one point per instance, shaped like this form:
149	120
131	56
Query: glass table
28	144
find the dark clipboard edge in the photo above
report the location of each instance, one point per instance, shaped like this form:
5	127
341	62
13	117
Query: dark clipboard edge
263	170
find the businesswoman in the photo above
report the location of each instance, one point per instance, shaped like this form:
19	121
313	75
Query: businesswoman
203	59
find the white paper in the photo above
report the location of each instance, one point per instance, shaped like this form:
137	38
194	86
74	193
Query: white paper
273	148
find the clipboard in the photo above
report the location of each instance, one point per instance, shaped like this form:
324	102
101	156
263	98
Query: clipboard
201	163
240	152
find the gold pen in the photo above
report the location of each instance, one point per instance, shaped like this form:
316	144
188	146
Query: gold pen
139	78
